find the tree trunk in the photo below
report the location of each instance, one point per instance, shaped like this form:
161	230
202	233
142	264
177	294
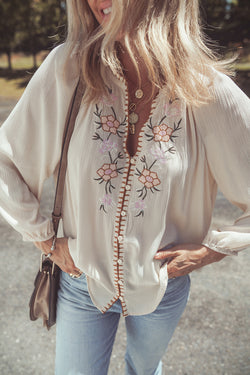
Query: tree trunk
34	61
9	60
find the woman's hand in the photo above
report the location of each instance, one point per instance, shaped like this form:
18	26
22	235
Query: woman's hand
185	258
60	255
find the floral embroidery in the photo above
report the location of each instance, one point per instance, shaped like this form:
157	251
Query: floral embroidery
140	206
107	146
109	171
173	109
149	179
110	99
109	124
160	155
106	201
162	133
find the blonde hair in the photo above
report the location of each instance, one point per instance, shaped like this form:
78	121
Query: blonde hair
166	32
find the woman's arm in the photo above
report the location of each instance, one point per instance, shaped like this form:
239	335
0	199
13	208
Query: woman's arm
30	147
224	126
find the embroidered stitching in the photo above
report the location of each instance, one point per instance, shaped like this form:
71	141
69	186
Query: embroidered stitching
160	133
108	126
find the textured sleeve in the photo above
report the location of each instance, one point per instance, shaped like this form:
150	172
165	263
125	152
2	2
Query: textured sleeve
225	130
30	147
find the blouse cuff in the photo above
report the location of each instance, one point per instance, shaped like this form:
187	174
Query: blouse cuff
226	242
45	232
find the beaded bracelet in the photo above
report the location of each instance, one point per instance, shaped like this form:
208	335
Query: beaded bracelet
53	246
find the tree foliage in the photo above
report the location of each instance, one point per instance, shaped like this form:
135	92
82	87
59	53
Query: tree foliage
34	25
31	25
39	26
9	19
227	21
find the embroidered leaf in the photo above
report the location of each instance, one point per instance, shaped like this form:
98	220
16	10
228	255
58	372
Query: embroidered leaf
138	173
163	118
150	137
102	208
171	150
152	164
97	112
96	137
141	213
114	113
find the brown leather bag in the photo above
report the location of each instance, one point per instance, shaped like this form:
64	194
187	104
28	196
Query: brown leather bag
44	297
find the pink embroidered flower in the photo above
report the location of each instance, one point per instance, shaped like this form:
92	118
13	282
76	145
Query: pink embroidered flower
109	100
173	110
107	200
162	133
149	179
140	204
159	154
107	172
107	146
110	124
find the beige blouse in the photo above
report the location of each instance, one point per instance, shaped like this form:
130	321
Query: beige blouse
119	210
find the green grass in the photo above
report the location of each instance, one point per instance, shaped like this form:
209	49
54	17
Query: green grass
244	66
11	89
21	61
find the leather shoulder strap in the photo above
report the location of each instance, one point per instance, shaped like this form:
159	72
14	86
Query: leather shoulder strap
69	127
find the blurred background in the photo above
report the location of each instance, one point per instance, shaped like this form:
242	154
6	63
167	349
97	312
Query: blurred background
30	28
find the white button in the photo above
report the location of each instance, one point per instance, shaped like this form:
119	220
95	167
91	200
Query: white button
132	161
123	213
120	238
120	282
120	261
127	187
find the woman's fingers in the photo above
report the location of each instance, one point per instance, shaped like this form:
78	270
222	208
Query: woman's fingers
183	259
61	255
165	254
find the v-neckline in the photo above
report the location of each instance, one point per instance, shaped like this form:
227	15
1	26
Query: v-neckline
154	104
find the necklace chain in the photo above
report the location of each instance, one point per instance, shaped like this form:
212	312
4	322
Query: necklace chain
133	116
138	95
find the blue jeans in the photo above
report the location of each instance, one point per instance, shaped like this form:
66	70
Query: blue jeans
85	336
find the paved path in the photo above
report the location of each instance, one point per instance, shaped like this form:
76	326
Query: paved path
213	337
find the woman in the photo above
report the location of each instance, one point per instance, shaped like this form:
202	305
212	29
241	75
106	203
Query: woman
160	127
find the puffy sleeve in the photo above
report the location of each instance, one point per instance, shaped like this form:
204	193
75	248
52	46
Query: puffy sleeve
30	146
225	129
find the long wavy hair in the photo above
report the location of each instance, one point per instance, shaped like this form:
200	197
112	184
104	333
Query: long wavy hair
168	35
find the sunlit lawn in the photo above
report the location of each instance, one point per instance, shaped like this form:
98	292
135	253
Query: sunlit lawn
12	84
11	88
242	66
21	61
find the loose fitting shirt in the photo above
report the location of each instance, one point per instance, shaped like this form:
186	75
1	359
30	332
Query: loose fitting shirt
118	210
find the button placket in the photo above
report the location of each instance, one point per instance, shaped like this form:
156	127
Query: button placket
120	238
122	212
120	261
